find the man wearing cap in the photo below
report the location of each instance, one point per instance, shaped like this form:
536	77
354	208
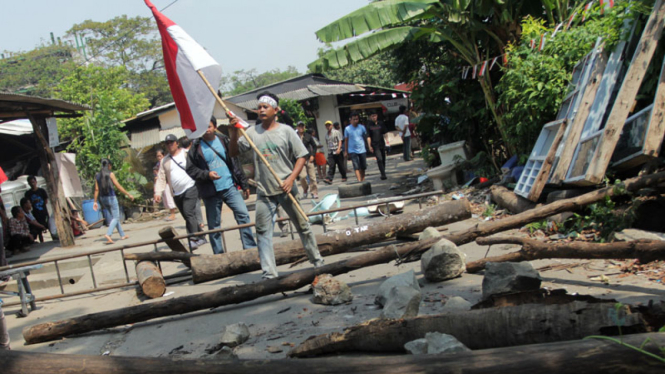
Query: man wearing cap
217	176
376	141
309	170
279	144
335	157
354	144
172	174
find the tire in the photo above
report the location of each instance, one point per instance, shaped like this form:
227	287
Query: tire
354	190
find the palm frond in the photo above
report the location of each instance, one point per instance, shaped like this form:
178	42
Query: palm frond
373	17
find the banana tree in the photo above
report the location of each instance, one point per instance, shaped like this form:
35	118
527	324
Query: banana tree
476	30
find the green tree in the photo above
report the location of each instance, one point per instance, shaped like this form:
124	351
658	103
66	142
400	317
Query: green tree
133	43
99	133
242	81
36	72
474	29
295	110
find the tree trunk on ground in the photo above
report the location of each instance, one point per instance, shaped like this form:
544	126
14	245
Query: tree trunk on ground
644	250
588	356
168	233
151	279
509	200
209	267
478	329
232	295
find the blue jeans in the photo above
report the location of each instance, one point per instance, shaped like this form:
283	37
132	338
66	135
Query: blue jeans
111	205
234	200
266	207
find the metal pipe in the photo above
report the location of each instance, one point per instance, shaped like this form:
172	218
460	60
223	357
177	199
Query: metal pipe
124	264
92	272
57	270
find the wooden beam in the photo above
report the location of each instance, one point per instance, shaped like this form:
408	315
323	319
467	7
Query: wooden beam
575	129
544	173
653	139
627	93
589	356
61	212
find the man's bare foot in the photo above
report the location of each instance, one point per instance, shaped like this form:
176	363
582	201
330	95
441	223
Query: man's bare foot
108	239
125	237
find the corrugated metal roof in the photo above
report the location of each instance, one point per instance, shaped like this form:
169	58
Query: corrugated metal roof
152	112
309	92
17	127
153	135
17	102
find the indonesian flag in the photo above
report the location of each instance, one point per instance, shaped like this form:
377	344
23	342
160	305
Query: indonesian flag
483	68
3	176
183	57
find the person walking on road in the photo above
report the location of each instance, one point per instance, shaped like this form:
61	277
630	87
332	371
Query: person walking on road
172	174
280	145
354	143
217	176
402	124
309	170
167	196
334	141
104	191
376	142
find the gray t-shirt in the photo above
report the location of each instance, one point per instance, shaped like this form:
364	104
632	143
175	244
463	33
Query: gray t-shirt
281	147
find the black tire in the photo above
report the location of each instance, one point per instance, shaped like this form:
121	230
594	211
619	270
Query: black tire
354	190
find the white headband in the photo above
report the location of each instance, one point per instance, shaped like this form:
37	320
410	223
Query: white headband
268	100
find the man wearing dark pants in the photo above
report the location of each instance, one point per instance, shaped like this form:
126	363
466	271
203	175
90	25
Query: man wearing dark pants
376	142
172	174
217	176
354	144
335	157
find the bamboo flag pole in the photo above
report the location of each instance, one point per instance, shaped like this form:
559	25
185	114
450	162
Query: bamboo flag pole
251	143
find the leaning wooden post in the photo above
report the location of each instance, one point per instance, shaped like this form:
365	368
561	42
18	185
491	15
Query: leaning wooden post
251	143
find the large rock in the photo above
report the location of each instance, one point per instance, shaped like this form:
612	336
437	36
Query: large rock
330	291
429	233
506	277
434	343
403	302
407	279
456	304
234	335
443	261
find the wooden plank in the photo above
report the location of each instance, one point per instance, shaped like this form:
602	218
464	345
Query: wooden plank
575	129
544	173
654	137
587	356
626	96
168	233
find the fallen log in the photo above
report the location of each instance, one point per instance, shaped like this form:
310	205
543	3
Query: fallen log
151	279
479	329
232	295
644	250
507	199
588	356
210	267
168	233
160	256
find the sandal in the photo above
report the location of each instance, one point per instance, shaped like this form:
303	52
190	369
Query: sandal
327	181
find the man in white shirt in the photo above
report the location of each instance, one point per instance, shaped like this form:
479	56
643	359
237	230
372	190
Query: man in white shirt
172	172
402	124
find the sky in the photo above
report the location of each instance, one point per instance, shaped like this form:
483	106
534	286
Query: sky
239	34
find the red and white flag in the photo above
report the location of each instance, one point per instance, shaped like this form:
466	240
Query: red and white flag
183	57
483	68
3	177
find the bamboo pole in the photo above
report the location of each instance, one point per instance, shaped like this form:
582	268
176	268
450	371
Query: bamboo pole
251	143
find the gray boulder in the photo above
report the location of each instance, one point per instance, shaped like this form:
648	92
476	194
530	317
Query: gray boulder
226	353
402	302
456	304
434	343
330	291
407	279
505	277
443	261
234	335
429	233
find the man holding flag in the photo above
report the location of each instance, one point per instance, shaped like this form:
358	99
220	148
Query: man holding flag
279	144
